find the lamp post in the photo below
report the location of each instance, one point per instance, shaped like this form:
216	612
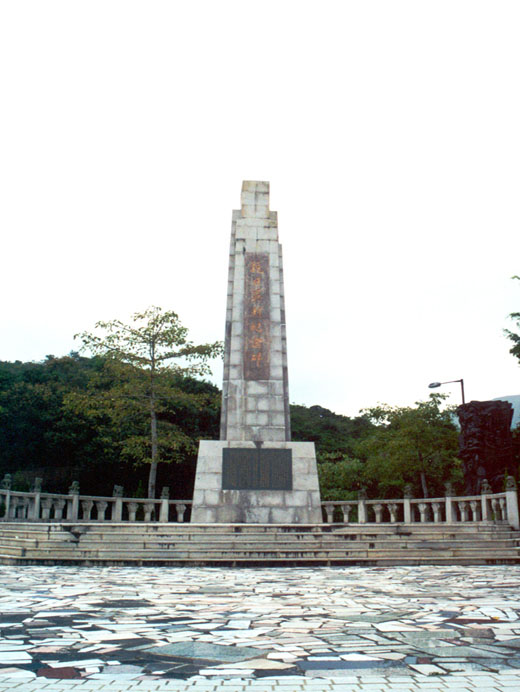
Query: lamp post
434	385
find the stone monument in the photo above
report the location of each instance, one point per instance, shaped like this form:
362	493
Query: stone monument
486	443
255	474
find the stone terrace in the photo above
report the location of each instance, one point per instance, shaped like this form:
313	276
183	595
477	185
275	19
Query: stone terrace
348	628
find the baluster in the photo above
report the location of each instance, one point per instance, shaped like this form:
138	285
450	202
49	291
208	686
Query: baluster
148	509
180	508
378	511
463	509
132	510
495	508
436	506
475	510
346	513
392	508
329	511
503	513
423	511
59	506
86	508
101	507
46	508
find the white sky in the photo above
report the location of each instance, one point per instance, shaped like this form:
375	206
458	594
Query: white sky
390	133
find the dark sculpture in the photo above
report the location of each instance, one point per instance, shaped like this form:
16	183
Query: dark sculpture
486	443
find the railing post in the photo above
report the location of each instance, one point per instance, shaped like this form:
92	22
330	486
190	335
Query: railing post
485	490
512	503
34	512
7	510
6	485
362	506
165	504
449	504
407	505
117	505
73	505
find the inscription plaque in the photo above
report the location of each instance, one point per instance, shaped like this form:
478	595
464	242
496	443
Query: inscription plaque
256	469
257	317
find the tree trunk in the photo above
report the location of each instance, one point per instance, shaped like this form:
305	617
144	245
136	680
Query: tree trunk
153	430
424	484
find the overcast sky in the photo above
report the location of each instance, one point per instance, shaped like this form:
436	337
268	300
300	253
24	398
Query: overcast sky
390	134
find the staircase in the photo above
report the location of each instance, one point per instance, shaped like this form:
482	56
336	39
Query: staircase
248	545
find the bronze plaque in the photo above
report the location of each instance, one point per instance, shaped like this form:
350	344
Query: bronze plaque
256	469
257	317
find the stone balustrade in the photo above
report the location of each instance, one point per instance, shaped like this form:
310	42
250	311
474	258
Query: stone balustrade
487	507
39	506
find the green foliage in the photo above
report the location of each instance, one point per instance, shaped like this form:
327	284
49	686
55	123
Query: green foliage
410	445
330	431
340	477
44	432
513	336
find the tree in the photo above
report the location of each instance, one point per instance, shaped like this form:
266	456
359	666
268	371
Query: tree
146	354
411	445
513	336
330	431
340	476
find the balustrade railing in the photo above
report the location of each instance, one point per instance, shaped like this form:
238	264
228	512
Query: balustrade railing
486	507
39	506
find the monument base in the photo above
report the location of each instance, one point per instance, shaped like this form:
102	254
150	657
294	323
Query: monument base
248	492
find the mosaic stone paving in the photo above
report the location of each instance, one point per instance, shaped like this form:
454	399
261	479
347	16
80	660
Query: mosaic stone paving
345	628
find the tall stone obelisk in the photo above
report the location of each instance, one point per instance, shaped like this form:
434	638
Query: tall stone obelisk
255	474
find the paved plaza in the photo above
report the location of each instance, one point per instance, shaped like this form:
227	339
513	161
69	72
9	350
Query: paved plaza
348	628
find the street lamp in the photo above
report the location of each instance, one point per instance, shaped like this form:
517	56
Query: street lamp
434	385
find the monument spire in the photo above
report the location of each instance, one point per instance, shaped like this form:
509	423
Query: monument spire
255	396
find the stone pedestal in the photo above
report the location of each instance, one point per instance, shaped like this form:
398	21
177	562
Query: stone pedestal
299	505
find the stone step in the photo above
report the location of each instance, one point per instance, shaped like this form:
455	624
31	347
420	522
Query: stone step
169	544
401	560
177	544
130	533
211	552
460	527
